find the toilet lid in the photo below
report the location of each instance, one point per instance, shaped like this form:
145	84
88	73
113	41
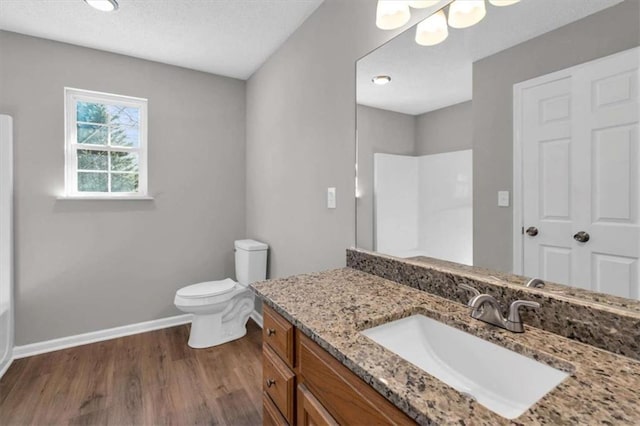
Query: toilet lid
207	289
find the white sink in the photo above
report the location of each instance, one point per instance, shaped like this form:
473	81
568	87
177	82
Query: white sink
502	380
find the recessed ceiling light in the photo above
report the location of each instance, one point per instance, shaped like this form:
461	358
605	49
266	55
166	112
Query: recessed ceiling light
381	80
103	5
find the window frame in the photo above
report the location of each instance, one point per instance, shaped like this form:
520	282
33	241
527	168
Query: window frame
71	98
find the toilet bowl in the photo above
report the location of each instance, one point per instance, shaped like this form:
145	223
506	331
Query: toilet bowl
221	308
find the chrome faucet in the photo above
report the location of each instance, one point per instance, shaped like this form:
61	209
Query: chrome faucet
486	308
535	283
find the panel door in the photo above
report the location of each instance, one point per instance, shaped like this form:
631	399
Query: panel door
606	168
548	204
580	177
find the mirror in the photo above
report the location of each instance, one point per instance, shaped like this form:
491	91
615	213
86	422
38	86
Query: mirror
511	145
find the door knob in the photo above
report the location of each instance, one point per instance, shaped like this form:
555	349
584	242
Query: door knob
582	237
532	231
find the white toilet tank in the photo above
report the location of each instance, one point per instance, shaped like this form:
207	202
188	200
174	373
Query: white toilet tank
251	261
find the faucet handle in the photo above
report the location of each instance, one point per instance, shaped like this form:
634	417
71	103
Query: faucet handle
535	283
472	290
514	314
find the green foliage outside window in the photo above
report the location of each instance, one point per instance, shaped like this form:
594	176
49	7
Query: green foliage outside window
109	126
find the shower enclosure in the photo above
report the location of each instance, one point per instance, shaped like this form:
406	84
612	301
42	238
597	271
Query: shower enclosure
423	205
6	242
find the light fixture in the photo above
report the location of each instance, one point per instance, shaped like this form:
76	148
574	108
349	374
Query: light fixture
503	2
381	80
465	13
392	14
432	30
421	4
103	5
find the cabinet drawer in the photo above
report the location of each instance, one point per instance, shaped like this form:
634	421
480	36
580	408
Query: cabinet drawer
279	383
343	394
270	414
278	333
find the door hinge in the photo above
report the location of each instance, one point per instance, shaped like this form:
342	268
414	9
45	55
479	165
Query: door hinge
522	230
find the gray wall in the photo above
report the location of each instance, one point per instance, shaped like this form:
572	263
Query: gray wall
379	131
89	265
300	137
445	130
610	31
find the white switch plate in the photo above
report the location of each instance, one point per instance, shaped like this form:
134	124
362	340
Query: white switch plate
503	198
331	198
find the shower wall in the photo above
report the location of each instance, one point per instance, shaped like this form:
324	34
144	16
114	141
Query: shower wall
423	205
6	242
395	216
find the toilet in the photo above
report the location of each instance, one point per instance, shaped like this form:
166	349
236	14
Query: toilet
221	308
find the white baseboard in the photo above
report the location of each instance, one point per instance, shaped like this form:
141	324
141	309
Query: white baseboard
101	335
6	367
257	317
97	336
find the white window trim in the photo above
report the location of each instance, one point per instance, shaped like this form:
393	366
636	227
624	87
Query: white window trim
71	98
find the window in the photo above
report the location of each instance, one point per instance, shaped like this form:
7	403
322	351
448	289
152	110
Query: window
106	145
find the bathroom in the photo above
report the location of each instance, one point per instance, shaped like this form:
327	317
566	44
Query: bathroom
260	158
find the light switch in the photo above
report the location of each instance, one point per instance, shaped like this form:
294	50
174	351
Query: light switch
503	198
331	198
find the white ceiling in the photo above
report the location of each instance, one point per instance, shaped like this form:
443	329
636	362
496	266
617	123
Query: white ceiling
429	78
226	37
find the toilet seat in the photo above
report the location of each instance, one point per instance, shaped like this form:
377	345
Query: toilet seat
207	289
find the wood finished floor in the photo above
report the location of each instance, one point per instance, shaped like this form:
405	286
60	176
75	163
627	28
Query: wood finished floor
147	379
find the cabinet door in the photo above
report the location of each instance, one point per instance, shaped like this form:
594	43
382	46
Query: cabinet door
310	411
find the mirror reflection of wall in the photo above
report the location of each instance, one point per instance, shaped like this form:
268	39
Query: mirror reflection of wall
458	96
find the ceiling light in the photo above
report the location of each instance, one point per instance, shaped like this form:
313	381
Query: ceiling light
432	30
381	80
103	5
421	4
392	14
465	13
503	2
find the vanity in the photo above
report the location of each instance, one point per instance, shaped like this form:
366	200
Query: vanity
497	167
298	374
321	368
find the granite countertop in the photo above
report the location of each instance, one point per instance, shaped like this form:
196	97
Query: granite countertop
332	307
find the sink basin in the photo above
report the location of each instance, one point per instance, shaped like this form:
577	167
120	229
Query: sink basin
499	379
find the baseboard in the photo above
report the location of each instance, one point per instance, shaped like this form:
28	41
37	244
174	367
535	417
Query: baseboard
6	367
257	317
97	336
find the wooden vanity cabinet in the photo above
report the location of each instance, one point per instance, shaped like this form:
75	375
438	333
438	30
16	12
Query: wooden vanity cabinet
310	411
305	385
270	414
278	377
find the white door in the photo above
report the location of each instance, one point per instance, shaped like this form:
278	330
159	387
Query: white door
580	182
